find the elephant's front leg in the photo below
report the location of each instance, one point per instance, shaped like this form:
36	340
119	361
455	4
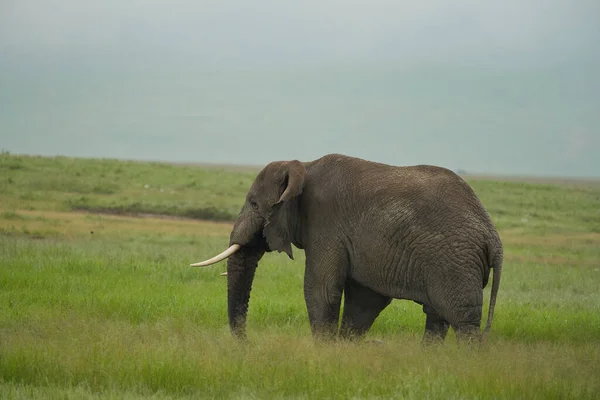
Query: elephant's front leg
323	287
361	307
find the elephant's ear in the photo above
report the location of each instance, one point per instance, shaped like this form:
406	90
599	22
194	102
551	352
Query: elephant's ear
276	230
293	181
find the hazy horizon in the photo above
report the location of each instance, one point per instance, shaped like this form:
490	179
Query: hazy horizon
504	89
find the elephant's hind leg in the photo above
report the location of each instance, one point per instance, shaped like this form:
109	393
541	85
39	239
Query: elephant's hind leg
361	307
469	331
458	298
436	326
465	318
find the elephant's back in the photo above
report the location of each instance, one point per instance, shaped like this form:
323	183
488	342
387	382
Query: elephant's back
421	204
384	195
436	203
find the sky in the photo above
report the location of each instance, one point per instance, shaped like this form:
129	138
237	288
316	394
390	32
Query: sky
508	88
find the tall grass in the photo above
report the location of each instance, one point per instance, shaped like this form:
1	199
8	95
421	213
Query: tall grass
130	318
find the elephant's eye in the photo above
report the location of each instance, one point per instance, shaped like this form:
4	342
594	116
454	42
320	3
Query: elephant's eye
254	205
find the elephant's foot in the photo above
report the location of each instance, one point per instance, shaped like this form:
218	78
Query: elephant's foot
436	327
468	335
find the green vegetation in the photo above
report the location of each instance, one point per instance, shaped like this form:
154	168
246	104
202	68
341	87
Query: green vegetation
105	306
541	209
121	187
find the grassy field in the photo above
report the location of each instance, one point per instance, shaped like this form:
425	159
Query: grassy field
98	306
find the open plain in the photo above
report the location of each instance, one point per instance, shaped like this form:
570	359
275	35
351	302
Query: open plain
97	299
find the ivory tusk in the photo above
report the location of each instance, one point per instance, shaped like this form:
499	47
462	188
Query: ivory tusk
232	249
224	273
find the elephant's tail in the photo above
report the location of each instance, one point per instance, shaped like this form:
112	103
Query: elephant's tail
496	265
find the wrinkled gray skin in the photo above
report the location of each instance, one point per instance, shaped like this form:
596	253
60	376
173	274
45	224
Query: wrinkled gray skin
373	232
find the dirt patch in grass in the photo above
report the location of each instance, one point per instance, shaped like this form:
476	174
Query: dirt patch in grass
82	223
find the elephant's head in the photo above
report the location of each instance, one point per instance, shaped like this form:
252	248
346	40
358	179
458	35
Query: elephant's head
265	223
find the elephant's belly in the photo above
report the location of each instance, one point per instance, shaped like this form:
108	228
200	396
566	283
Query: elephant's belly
395	284
390	266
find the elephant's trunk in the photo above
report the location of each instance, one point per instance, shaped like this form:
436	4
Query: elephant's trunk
241	267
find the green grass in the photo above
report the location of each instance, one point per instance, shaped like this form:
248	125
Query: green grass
102	306
541	208
121	187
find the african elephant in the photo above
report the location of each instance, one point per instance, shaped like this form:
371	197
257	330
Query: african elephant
373	232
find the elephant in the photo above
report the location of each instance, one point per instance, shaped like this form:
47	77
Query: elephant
372	232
